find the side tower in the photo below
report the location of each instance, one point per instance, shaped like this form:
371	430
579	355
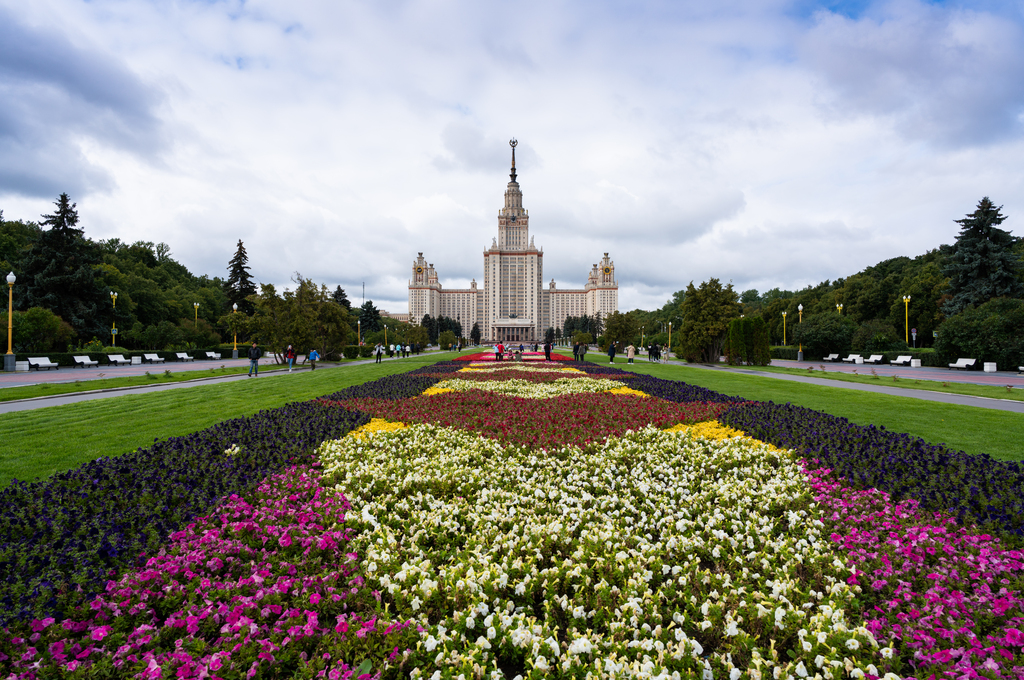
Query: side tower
424	290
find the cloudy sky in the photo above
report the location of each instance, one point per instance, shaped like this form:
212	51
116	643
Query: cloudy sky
768	143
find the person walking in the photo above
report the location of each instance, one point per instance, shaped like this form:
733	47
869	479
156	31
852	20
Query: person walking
497	353
583	351
611	353
630	353
314	357
378	352
547	351
575	351
289	354
254	360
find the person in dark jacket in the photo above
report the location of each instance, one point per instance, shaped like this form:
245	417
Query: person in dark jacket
254	360
547	351
289	354
611	353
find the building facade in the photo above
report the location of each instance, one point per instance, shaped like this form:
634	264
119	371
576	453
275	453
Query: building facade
513	304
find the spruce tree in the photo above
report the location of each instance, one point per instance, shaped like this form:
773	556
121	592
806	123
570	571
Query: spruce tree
369	318
239	284
981	264
59	274
341	298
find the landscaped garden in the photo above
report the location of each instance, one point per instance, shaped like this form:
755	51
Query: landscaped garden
484	520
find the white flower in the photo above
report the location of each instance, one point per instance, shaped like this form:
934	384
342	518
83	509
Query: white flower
470	622
801	670
852	643
541	664
735	674
483	643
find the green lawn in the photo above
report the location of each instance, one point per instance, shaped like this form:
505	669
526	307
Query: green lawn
971	429
44	441
48	440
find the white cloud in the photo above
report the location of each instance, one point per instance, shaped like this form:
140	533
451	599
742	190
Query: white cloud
755	142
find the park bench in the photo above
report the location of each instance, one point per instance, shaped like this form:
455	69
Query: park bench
213	355
831	357
874	359
183	356
41	362
962	364
901	360
118	359
85	362
852	359
1020	369
152	358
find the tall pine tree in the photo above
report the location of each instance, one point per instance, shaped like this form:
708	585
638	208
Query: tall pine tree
982	264
341	298
60	275
239	284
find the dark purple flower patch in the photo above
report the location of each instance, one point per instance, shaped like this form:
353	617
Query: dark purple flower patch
264	586
400	386
63	538
974	489
675	390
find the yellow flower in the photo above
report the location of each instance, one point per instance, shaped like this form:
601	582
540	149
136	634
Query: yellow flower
627	390
375	425
436	390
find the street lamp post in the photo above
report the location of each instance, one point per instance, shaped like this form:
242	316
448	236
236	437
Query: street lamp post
783	329
906	317
840	308
641	337
668	350
9	362
113	323
359	332
196	306
800	352
234	352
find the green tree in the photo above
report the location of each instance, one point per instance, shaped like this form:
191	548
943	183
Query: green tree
748	342
446	339
369	317
549	335
583	338
707	311
60	272
878	335
988	332
305	318
824	334
15	239
341	298
475	333
239	285
39	330
982	264
418	335
621	329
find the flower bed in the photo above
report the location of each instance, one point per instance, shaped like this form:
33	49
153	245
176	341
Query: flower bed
61	538
526	356
555	565
268	582
574	419
975	489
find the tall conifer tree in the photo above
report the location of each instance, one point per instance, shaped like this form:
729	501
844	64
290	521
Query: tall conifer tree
239	284
982	264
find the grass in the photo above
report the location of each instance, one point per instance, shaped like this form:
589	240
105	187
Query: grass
44	441
967	428
41	442
157	376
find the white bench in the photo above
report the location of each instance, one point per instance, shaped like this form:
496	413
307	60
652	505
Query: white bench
831	357
152	358
183	356
874	359
213	355
85	362
962	364
1020	369
41	362
854	359
902	360
118	359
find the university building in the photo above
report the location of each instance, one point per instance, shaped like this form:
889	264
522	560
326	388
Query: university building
513	304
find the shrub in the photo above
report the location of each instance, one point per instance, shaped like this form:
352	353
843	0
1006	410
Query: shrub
747	342
876	336
351	351
366	351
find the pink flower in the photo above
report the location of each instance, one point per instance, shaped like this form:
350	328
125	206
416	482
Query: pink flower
100	633
314	598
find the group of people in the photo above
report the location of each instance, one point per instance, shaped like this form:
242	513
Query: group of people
398	351
500	351
289	355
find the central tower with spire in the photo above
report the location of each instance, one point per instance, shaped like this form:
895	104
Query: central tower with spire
514	305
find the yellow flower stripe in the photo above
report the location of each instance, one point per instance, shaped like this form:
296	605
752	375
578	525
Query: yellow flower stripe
627	390
436	390
376	425
712	429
